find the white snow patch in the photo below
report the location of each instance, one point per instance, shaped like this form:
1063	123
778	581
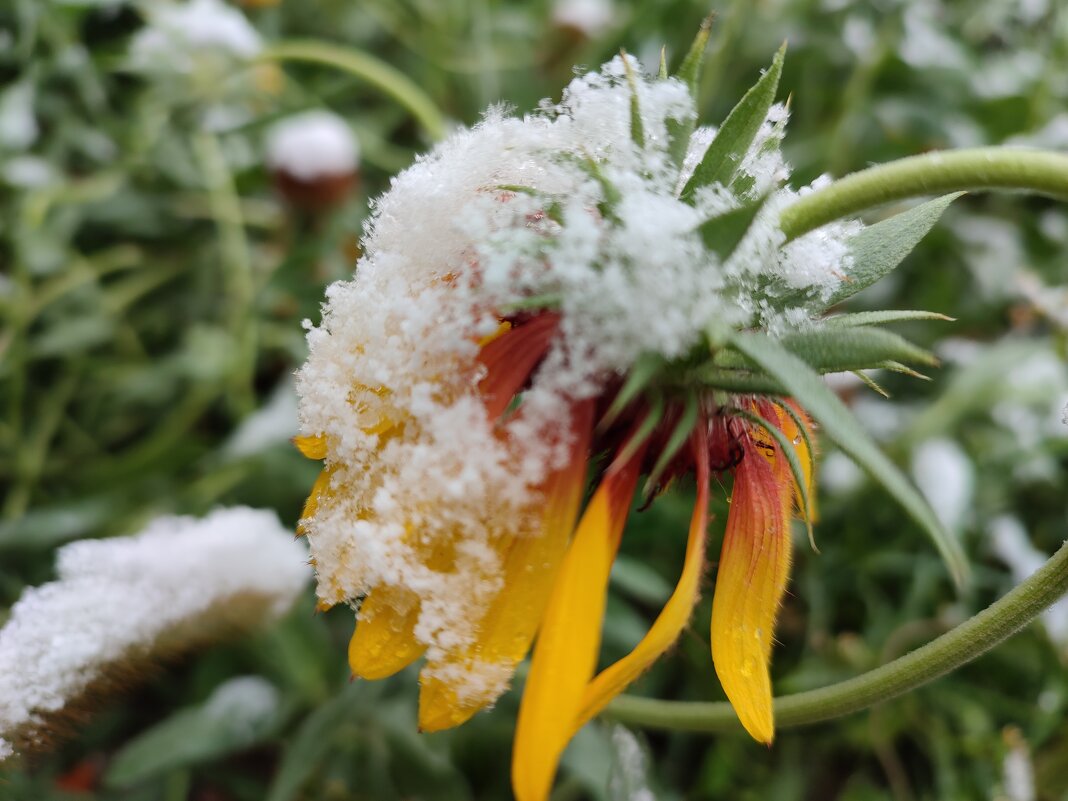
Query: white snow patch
313	144
591	17
129	597
946	476
274	423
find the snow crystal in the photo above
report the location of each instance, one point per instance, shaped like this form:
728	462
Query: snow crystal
312	145
180	34
946	476
560	203
178	582
591	17
1010	543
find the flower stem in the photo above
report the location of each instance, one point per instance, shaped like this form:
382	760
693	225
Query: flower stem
378	73
1037	171
964	643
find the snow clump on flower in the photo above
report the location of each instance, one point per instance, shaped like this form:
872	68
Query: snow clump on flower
563	210
116	601
312	145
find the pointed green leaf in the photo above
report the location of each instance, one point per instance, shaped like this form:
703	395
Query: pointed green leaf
834	350
808	389
644	431
880	317
880	248
734	137
722	234
678	438
637	130
662	72
645	369
870	383
680	131
690	69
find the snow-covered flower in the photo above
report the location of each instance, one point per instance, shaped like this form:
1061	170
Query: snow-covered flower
314	157
542	297
118	602
181	37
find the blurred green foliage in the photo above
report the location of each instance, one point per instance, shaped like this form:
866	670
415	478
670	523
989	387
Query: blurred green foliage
152	285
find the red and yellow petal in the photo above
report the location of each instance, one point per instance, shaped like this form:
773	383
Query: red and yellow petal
753	571
565	654
676	612
384	640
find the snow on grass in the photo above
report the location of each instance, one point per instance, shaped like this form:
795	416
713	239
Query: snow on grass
118	601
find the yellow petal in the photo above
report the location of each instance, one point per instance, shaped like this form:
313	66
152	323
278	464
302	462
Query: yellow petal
383	642
753	569
506	631
569	639
311	447
676	612
320	489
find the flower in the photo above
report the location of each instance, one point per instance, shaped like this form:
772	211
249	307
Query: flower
539	299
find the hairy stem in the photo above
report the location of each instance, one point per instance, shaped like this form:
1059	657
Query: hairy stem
1036	171
953	649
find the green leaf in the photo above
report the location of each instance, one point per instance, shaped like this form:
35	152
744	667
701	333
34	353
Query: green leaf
678	438
240	713
723	234
690	69
635	578
637	130
835	350
738	131
880	317
880	248
808	389
680	131
662	72
645	369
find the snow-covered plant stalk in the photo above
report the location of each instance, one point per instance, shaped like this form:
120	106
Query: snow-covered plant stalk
602	287
120	605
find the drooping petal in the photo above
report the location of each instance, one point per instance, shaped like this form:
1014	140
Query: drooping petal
565	654
510	358
676	612
320	489
313	447
383	642
753	570
447	695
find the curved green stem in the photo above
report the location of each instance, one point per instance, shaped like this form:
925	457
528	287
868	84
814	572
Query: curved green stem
967	641
936	173
391	81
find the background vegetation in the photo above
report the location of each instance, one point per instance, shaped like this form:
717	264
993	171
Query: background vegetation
152	286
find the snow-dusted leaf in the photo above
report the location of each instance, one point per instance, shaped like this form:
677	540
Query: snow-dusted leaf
880	248
722	234
725	154
881	317
836	350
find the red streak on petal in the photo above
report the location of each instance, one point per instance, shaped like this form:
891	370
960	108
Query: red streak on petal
511	358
